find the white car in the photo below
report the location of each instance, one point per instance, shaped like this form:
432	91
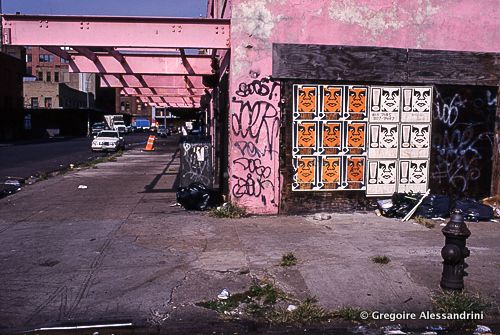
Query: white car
108	140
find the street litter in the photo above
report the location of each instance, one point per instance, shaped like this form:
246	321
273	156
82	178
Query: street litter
493	202
13	182
176	204
82	187
474	211
198	197
482	330
436	328
72	166
393	330
223	295
321	216
291	308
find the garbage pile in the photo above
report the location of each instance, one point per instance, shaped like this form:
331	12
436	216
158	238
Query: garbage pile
436	206
198	197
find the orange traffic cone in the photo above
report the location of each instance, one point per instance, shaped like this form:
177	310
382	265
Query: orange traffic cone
150	146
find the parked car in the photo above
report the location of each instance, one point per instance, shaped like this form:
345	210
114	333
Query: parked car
108	140
98	127
163	131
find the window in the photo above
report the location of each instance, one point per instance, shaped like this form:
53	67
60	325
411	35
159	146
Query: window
29	58
49	76
127	106
46	58
122	106
56	77
139	107
40	75
29	70
48	102
64	61
34	102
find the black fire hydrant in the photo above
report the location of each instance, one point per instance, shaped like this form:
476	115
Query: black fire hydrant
454	252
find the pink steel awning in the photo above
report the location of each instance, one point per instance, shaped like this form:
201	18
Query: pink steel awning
105	31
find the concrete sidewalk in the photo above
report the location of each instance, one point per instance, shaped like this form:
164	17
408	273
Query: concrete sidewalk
118	251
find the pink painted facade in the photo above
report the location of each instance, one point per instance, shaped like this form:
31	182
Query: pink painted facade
254	117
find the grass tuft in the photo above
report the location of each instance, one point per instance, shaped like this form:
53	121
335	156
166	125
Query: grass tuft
348	313
307	312
229	211
381	259
288	259
424	222
458	302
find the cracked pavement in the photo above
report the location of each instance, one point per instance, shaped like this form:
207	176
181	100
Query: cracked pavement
119	251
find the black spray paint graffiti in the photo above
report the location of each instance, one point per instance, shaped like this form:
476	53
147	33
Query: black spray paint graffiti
258	87
255	127
256	180
462	144
196	164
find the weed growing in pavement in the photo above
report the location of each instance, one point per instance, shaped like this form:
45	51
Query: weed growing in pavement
43	176
348	313
424	222
306	312
288	259
229	211
458	302
381	259
257	300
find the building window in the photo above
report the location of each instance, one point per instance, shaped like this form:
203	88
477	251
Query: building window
46	58
127	106
29	70
40	76
48	102
56	77
139	107
122	106
49	76
34	102
29	58
64	61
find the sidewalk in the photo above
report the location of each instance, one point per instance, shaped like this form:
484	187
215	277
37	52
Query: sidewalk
119	251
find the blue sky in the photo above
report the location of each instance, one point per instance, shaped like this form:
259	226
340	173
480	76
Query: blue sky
182	8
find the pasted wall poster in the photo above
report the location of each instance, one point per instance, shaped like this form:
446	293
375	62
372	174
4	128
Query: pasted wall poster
399	140
353	137
329	137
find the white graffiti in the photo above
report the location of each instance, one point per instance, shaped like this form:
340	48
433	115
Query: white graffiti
447	112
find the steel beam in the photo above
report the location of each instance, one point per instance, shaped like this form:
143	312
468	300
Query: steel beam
106	31
143	64
151	81
162	91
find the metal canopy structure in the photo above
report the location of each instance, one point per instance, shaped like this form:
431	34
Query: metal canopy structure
160	61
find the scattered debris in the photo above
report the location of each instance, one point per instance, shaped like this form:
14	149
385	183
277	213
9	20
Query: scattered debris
436	328
322	216
429	333
13	182
291	308
229	211
381	259
393	330
288	259
72	166
493	202
474	211
198	197
223	295
424	222
482	330
82	187
175	204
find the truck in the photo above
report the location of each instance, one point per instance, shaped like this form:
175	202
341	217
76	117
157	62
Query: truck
141	124
116	122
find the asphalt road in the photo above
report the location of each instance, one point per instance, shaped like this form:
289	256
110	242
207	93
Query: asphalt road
25	160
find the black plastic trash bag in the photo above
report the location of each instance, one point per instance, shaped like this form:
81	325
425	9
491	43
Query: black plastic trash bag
198	197
434	206
399	205
474	211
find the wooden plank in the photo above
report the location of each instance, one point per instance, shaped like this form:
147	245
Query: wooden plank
373	64
339	63
453	67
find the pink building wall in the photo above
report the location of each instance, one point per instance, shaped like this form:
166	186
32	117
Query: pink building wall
460	25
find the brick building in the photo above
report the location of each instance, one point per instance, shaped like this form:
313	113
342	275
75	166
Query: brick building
12	69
